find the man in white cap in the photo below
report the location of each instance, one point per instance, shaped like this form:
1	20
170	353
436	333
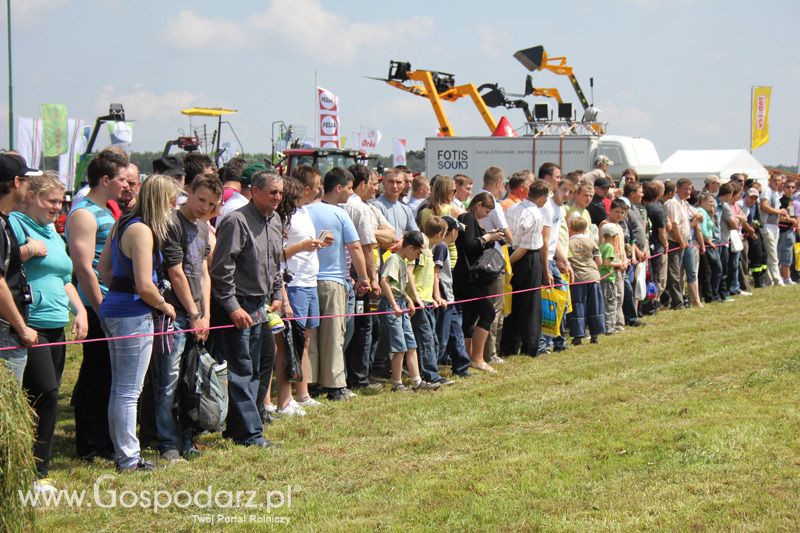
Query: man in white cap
15	293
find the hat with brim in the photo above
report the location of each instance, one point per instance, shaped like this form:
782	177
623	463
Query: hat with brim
752	191
169	166
13	165
452	223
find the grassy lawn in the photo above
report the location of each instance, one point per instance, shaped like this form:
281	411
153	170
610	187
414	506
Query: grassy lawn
689	423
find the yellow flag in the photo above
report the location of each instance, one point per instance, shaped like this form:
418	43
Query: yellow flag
760	119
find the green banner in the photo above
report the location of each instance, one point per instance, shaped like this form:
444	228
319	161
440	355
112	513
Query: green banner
55	132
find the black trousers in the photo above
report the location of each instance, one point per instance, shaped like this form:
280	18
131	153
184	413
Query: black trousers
41	381
523	327
357	354
91	393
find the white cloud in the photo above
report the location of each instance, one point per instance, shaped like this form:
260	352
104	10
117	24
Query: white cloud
302	25
190	31
493	42
145	105
333	39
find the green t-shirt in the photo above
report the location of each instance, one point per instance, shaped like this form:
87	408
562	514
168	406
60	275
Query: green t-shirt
607	252
396	269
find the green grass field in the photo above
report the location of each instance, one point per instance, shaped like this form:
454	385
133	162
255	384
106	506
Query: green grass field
690	423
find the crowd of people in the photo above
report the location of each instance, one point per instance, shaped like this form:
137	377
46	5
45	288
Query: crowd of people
387	280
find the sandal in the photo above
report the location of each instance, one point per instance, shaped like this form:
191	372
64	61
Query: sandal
484	367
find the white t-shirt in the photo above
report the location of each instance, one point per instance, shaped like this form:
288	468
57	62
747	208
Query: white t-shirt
234	202
552	215
495	220
303	266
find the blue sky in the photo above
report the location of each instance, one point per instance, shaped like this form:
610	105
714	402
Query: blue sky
678	72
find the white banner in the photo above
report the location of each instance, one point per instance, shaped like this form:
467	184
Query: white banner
368	139
29	140
327	119
399	152
76	144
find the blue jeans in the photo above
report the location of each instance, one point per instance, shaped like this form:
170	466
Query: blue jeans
166	373
129	361
424	324
450	333
14	359
241	349
559	343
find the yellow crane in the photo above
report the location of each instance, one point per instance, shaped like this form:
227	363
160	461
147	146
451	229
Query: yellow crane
436	87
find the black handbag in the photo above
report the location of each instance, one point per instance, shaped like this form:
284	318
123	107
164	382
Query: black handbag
487	268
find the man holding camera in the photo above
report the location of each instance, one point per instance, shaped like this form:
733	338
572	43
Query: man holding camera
15	294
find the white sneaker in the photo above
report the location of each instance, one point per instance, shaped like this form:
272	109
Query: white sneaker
271	409
43	487
745	293
789	282
311	402
291	409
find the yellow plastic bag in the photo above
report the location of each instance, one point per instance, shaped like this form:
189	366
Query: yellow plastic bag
507	285
554	303
797	255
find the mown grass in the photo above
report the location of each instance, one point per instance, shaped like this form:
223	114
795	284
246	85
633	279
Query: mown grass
690	423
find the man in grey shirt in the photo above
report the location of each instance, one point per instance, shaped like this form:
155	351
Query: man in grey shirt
245	276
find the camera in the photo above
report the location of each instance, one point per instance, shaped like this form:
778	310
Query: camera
26	295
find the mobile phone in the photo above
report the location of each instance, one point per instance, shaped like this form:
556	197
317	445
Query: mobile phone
324	234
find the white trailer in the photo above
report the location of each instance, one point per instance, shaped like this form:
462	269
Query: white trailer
473	155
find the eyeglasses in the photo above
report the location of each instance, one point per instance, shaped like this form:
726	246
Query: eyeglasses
276	193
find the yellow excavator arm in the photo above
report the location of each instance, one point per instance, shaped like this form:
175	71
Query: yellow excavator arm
436	87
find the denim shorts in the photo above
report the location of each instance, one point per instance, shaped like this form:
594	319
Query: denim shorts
397	329
305	303
689	265
786	248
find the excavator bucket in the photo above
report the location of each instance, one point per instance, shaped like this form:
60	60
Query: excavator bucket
531	58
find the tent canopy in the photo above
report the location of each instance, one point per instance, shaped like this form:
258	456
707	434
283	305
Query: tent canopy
697	164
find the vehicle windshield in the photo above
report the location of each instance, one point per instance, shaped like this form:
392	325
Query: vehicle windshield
323	163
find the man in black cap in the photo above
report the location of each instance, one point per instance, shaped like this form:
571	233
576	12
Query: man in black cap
15	294
597	209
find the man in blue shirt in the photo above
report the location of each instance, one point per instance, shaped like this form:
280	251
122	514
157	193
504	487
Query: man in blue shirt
326	352
396	212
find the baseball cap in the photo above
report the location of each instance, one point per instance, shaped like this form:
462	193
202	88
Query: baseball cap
452	223
602	182
603	160
752	191
610	230
250	170
713	179
13	165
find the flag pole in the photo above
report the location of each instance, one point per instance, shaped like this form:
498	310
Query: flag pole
10	82
752	93
316	104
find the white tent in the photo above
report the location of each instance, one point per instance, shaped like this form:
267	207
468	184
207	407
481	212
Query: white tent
697	164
